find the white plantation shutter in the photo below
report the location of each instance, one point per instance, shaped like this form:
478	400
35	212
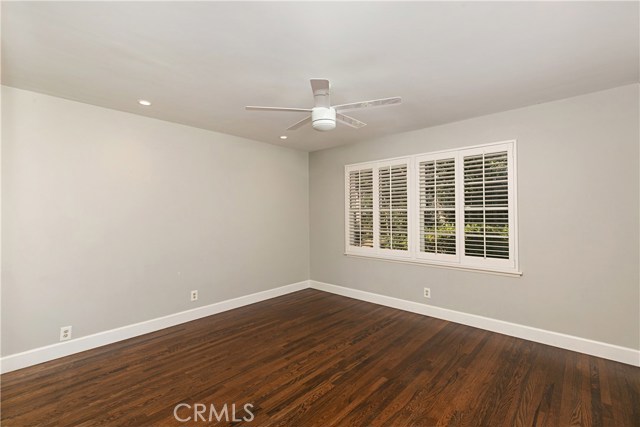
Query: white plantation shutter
488	212
360	203
451	208
393	206
437	207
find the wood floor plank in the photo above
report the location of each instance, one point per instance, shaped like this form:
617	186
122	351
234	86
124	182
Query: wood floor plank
315	359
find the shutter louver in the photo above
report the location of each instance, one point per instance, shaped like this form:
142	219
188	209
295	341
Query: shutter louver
393	207
486	205
361	208
437	206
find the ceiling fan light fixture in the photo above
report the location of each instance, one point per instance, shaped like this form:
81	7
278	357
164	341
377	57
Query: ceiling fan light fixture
323	119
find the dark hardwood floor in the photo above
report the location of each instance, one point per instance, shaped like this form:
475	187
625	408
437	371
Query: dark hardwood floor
317	359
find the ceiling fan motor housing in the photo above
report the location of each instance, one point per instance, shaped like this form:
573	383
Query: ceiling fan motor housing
323	119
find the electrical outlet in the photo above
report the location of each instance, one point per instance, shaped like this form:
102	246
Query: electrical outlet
65	333
427	292
194	295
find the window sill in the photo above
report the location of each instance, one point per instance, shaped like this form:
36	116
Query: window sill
428	263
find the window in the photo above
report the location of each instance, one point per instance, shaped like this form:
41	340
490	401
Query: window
451	208
393	206
437	207
486	206
360	194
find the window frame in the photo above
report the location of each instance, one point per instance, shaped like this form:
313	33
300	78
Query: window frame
413	255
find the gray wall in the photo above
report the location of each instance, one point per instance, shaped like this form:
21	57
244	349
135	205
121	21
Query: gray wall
578	174
110	218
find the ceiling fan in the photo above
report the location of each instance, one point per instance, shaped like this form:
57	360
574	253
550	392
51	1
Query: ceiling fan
323	115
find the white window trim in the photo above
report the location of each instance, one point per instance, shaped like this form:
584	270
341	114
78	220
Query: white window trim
508	267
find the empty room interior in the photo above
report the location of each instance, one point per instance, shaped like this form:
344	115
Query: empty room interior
320	214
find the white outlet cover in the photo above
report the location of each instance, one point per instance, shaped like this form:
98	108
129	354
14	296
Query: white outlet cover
65	333
194	295
427	292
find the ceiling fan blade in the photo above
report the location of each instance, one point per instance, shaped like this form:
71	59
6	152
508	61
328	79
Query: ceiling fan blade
368	104
254	108
300	123
321	90
350	121
320	84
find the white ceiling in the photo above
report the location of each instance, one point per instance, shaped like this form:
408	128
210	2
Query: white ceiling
200	63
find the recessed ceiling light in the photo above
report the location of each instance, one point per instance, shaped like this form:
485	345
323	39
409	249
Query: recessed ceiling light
283	137
144	102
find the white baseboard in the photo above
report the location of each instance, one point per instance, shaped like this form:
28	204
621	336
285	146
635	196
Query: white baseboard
569	342
595	348
66	348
